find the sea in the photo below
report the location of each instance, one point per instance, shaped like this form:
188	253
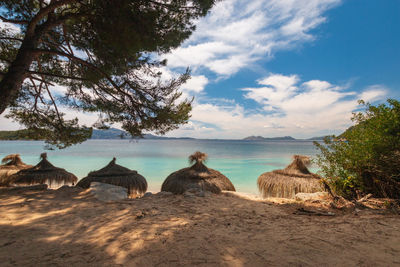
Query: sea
241	161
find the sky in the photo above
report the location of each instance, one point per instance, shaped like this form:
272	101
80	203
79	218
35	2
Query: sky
284	67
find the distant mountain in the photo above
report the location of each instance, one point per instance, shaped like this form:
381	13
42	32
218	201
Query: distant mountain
260	138
113	133
150	136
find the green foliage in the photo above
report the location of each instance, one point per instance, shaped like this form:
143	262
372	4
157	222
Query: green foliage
19	135
105	53
39	134
366	157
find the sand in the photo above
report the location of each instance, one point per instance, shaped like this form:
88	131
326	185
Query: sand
69	227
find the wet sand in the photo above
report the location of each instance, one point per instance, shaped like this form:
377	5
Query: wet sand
68	227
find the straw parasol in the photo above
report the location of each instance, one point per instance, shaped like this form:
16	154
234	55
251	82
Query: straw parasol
11	164
197	176
44	173
117	175
286	183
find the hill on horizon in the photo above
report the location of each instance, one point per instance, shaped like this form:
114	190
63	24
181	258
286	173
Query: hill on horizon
113	133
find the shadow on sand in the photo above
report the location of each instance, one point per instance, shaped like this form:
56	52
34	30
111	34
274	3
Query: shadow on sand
70	228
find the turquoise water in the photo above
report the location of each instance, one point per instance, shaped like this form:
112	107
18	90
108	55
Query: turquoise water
241	161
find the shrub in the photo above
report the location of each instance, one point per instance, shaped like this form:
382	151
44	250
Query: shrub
366	157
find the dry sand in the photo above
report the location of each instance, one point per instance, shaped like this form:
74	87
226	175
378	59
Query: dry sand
69	228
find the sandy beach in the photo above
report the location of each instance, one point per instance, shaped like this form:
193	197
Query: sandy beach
68	227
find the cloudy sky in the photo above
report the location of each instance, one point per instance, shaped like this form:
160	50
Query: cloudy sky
285	67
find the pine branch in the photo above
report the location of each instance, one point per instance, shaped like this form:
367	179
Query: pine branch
45	12
11	39
57	75
13	21
77	60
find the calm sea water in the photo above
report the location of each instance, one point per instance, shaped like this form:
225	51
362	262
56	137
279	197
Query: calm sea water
241	161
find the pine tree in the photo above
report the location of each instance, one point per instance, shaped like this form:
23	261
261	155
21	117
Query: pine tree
105	53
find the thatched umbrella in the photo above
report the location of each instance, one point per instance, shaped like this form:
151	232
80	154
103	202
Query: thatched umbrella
286	183
117	175
11	164
197	176
44	173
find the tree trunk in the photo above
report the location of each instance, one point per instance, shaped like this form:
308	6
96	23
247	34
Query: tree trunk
12	81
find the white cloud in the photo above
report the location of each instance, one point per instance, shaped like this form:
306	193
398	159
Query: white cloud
277	88
279	81
290	107
9	26
58	89
373	93
195	84
200	54
317	85
7	124
283	94
84	119
237	33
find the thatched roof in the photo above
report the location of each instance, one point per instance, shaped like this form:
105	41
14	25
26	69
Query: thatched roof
286	183
117	175
11	164
198	176
44	173
12	160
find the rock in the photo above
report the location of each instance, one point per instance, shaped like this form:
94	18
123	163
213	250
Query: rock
310	196
147	194
107	192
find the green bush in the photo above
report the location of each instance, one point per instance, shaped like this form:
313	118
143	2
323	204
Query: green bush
366	157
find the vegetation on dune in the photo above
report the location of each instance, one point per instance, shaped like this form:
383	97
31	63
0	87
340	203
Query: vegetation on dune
93	56
366	157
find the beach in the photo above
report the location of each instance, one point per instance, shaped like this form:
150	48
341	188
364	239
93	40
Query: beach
69	227
199	133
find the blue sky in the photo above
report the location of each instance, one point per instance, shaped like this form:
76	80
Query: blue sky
285	67
290	67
